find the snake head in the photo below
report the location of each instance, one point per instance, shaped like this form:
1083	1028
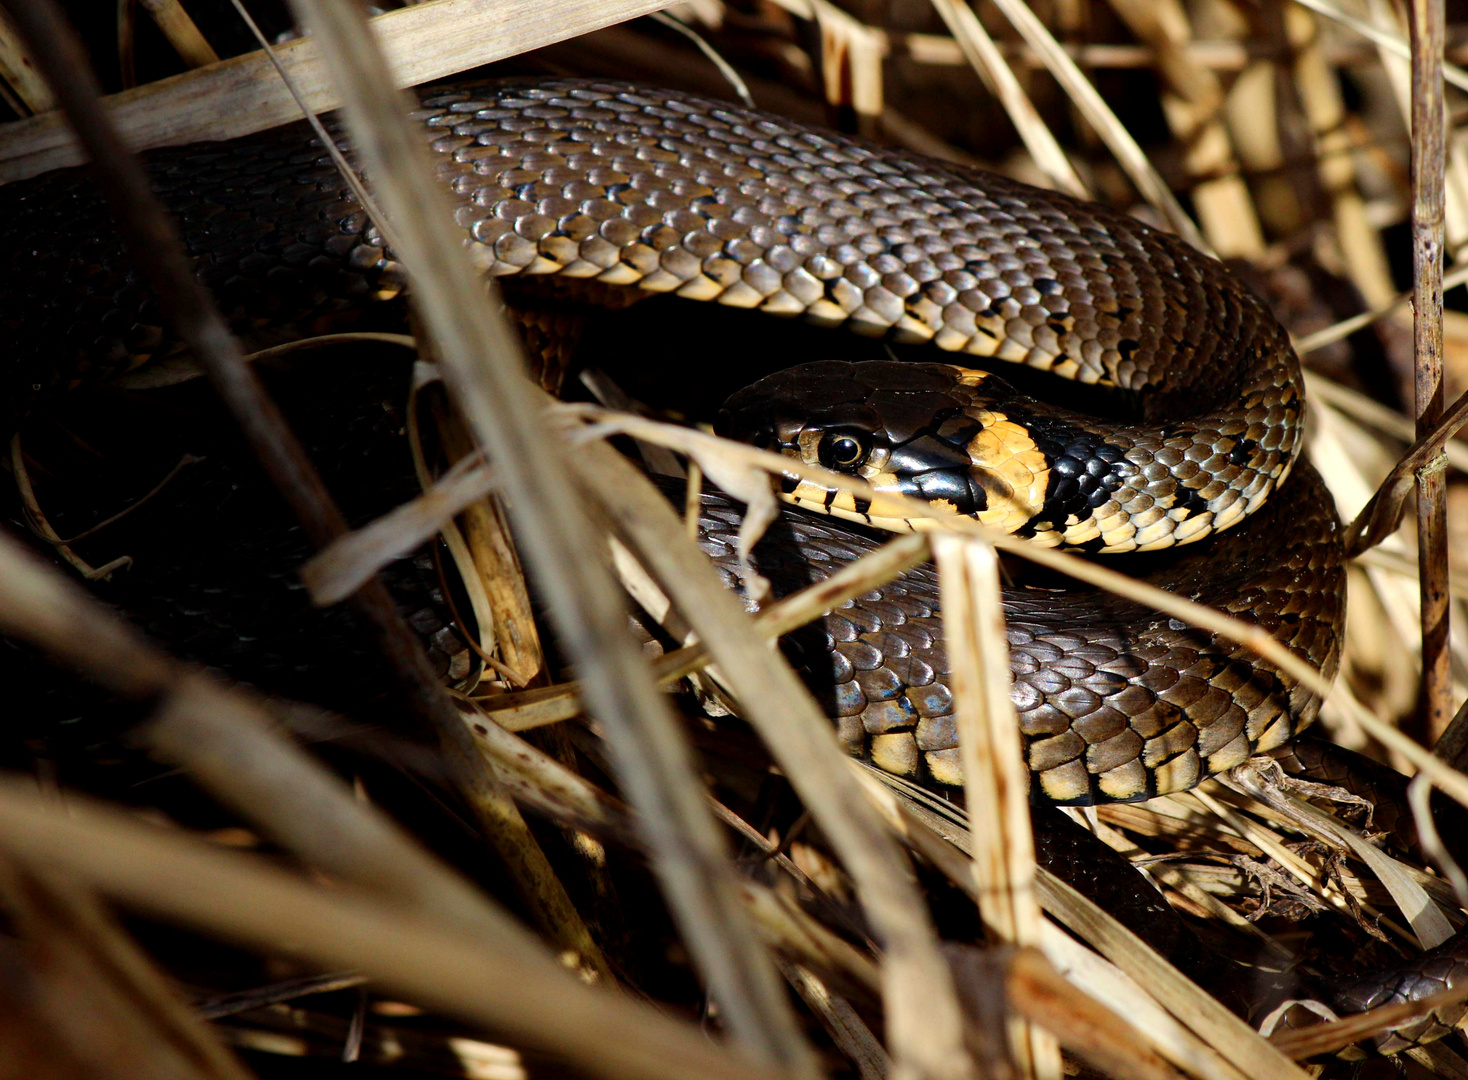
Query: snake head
931	431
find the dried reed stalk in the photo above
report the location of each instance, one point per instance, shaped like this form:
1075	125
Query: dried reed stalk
1386	39
981	52
25	88
1320	98
1428	201
1193	106
1101	117
925	1027
170	17
154	243
243	94
244	899
1327	1038
484	372
995	780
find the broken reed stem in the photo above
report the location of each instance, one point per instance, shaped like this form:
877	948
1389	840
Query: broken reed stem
226	741
485	374
154	243
995	779
984	56
249	901
1428	201
924	1021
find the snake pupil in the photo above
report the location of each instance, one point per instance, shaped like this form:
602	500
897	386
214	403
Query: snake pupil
844	451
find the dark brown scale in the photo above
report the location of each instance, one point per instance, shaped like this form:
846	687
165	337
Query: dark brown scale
1440	969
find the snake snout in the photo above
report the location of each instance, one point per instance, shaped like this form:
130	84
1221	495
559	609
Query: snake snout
776	411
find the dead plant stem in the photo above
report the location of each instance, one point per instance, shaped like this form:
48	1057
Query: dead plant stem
484	371
154	243
1428	201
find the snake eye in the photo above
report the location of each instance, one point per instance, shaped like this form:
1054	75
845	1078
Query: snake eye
844	450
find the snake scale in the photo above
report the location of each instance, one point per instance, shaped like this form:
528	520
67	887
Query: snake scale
602	188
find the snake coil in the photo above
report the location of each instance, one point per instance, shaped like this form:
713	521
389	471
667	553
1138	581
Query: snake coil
605	186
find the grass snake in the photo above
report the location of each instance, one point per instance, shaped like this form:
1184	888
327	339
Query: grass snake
602	189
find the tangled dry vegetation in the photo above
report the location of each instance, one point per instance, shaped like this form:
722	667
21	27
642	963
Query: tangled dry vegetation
709	896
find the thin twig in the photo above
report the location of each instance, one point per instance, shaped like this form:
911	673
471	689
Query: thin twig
1369	411
726	69
1380	517
218	1006
36	519
1346	327
552	704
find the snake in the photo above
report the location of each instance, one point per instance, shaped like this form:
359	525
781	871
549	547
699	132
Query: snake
574	192
592	188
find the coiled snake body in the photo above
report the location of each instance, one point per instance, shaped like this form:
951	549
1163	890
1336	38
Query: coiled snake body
629	188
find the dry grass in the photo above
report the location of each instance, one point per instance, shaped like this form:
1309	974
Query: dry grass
1225	123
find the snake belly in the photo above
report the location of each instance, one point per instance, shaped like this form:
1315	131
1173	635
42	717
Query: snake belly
616	187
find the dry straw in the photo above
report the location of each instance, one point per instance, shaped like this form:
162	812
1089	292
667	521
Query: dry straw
416	926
